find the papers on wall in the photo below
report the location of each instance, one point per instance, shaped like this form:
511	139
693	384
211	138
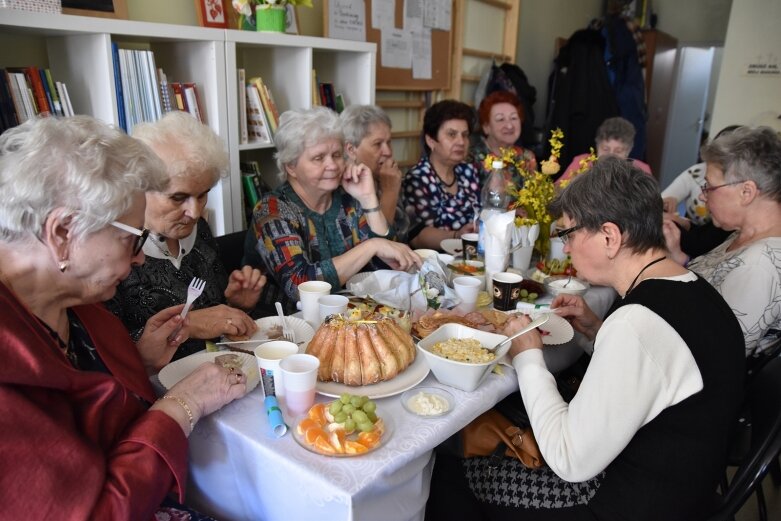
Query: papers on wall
383	14
438	14
421	54
347	20
396	49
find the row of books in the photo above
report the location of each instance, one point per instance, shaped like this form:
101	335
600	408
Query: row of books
144	92
26	92
258	113
253	185
323	94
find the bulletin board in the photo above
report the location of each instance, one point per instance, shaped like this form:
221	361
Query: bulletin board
392	78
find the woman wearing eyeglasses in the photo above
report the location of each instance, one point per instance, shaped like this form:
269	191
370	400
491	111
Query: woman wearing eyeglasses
181	245
742	191
661	391
83	435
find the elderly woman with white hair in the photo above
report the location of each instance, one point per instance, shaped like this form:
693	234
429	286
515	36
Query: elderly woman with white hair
84	435
324	222
181	245
367	136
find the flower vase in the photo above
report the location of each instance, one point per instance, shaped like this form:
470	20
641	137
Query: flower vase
270	18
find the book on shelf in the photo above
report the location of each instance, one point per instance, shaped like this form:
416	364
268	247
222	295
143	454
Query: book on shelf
327	96
16	97
339	103
193	101
67	98
241	80
54	102
118	93
22	92
267	102
251	196
258	129
165	91
8	117
315	90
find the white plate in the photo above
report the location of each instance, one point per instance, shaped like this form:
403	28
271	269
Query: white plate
409	378
560	331
452	246
178	369
301	328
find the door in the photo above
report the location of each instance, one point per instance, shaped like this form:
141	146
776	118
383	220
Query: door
687	112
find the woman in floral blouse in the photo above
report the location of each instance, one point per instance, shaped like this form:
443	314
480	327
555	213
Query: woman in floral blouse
500	116
443	190
324	222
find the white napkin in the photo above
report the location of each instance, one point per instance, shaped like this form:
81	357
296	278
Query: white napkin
498	233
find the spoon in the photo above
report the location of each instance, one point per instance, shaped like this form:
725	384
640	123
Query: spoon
537	322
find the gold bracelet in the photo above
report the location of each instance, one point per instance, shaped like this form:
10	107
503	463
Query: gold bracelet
185	407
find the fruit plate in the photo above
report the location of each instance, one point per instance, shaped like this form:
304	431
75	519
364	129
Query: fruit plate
410	377
354	437
178	369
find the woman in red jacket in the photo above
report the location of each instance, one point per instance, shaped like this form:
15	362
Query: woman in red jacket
83	435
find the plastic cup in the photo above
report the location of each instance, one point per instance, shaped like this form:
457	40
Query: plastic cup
299	377
507	290
467	289
332	305
268	356
522	258
309	294
469	245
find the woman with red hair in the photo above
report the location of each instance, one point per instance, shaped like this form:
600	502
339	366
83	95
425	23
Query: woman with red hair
500	116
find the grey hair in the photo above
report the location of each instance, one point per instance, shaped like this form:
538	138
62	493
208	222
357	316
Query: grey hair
616	128
302	128
615	191
358	119
185	145
78	163
749	154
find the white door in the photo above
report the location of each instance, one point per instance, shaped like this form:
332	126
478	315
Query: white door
687	112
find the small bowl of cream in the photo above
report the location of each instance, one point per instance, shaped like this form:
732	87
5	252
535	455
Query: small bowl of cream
564	284
428	402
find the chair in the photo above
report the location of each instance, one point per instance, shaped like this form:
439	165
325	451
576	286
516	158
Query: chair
764	402
231	250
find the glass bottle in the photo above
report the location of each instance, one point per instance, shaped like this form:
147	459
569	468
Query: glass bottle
494	200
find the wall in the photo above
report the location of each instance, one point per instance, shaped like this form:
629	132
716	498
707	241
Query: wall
752	32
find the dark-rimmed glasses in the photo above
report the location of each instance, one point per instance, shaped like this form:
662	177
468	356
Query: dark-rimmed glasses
564	234
706	189
141	235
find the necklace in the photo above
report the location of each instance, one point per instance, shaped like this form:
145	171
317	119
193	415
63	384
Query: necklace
632	285
442	181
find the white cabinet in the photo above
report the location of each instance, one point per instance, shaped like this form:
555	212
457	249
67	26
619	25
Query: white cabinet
78	51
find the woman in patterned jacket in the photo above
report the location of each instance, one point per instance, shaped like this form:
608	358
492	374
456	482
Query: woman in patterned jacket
324	222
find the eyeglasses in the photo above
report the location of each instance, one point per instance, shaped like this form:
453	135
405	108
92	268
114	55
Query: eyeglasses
141	235
564	234
708	189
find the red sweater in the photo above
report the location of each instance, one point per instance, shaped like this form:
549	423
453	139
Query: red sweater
80	444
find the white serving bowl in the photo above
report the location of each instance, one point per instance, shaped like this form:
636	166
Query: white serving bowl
461	375
554	285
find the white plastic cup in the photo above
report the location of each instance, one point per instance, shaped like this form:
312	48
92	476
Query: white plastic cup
467	289
331	305
309	293
268	356
299	377
522	258
556	249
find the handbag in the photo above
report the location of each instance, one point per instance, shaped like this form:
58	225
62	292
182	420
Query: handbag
492	434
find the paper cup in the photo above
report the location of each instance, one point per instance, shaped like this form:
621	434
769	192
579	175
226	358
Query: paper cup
268	356
467	289
299	377
332	305
556	249
522	258
507	290
469	245
309	293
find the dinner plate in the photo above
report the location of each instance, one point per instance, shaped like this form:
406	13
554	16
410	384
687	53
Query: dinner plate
388	431
559	330
451	246
171	374
270	327
410	377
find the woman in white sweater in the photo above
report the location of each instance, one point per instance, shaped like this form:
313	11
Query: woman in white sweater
645	436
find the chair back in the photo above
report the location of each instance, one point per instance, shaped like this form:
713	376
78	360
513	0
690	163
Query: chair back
231	250
764	401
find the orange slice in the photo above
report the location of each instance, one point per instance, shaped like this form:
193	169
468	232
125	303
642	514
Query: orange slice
311	435
322	445
317	413
353	447
369	439
305	425
338	438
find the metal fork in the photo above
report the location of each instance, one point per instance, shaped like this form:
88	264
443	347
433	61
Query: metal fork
194	291
287	333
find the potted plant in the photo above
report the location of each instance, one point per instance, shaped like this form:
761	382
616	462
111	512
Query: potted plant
265	15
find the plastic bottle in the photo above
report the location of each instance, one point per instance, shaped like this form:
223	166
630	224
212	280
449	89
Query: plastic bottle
494	200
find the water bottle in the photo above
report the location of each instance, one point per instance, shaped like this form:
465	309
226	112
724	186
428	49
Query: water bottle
494	199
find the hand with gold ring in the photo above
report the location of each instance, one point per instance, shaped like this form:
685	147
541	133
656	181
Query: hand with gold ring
220	320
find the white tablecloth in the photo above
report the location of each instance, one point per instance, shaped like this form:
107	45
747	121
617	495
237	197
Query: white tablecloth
240	471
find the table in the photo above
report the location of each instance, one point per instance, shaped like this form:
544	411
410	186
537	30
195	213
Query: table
240	471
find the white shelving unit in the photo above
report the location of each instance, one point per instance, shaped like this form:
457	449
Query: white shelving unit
77	49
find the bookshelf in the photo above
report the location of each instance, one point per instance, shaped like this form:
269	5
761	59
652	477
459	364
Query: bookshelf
77	50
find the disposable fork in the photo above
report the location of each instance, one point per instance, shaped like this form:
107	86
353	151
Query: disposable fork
194	291
287	333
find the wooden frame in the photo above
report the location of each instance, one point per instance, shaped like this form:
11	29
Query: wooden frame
212	13
118	8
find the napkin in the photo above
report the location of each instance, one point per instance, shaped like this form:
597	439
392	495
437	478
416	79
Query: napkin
403	290
498	233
